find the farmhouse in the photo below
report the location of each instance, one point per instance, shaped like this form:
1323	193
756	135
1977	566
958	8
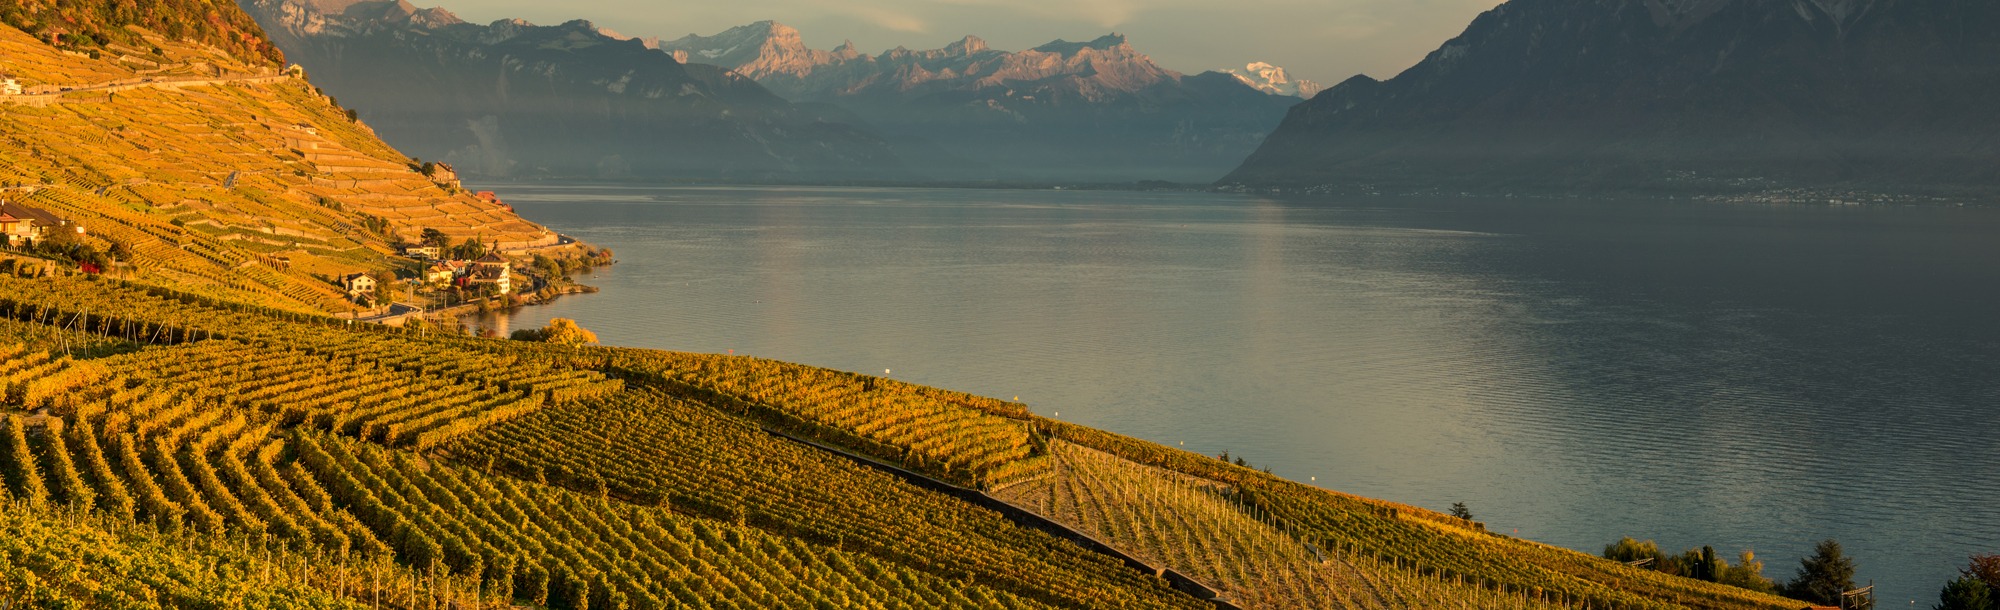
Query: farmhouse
20	224
422	252
10	87
357	284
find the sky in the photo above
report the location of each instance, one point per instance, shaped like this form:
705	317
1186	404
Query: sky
1322	40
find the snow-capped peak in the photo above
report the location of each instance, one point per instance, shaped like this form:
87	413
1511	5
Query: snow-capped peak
1273	80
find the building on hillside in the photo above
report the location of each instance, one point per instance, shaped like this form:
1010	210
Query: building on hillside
442	174
16	231
422	252
20	224
493	199
492	269
10	87
439	273
357	284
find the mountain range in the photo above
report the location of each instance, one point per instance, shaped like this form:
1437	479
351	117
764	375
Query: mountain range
516	100
1667	95
1098	108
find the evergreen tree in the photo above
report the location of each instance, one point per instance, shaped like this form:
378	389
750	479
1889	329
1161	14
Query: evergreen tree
1965	593
1824	576
1459	510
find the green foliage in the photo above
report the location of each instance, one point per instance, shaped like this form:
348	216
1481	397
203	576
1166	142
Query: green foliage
1459	510
1823	576
468	250
1627	550
1965	593
52	559
17	461
84	26
1748	573
1702	564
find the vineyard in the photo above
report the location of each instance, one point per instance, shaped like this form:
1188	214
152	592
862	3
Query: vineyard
1190	525
207	188
651	449
489	472
957	437
1427	543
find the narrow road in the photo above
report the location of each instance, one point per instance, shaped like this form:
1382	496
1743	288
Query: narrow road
46	97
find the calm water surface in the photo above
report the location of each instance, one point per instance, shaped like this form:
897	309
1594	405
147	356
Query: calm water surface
1747	377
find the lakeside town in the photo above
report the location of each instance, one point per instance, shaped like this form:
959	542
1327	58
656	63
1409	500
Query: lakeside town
433	279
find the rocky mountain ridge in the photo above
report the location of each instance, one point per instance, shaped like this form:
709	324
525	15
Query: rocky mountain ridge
1680	95
517	100
1064	109
1273	80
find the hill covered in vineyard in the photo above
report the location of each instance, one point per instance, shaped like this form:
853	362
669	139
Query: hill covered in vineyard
192	166
429	468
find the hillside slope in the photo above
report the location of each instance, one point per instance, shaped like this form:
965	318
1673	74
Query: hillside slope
220	176
512	99
1884	95
575	477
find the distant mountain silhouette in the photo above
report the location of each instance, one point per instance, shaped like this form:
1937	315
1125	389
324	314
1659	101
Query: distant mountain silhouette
1668	94
512	99
1096	109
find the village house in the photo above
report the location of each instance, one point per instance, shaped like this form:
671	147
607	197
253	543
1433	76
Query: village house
20	224
16	231
492	269
10	87
440	273
357	284
491	198
422	252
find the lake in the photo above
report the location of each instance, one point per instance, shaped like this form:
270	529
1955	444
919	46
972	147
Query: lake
1742	376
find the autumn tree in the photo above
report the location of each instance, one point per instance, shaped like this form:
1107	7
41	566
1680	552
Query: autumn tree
560	331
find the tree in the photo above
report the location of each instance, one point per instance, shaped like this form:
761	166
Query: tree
1748	573
560	331
1459	510
1824	576
564	331
469	249
434	237
1986	568
1965	593
1628	550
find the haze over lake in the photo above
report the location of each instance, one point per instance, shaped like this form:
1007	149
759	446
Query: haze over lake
1697	373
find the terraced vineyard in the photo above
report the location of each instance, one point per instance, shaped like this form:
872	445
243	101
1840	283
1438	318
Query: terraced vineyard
206	186
564	549
1428	543
195	415
652	449
1191	525
356	397
959	437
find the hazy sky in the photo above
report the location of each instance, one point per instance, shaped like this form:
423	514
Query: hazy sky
1322	40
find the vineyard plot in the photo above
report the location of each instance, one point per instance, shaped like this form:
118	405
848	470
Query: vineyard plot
1189	525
